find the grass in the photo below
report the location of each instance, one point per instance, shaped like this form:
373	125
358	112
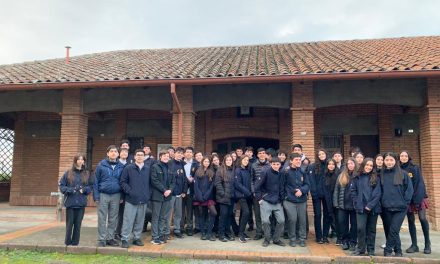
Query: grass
32	256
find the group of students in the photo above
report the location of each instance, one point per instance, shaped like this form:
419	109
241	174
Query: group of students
270	190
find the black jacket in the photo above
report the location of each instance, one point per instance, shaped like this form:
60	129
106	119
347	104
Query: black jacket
316	180
242	183
364	194
135	183
295	179
224	188
396	197
161	179
73	198
269	186
342	196
329	188
417	181
181	182
203	188
257	169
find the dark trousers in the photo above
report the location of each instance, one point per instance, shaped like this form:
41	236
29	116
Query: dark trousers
207	216
120	219
257	213
225	217
187	213
74	217
412	227
366	231
321	231
394	220
347	226
245	214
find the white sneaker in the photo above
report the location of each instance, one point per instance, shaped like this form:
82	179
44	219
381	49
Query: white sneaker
383	245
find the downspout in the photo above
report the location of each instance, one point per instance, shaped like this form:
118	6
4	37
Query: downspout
179	112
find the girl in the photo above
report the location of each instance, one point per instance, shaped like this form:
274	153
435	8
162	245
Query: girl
242	192
331	175
366	194
204	198
282	155
346	216
378	164
224	183
397	193
75	184
359	157
418	205
316	174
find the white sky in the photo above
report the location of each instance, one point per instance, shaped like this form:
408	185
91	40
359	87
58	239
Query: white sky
36	30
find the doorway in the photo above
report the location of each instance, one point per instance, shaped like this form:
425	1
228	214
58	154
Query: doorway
368	144
224	146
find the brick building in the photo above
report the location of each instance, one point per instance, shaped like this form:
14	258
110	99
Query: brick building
381	95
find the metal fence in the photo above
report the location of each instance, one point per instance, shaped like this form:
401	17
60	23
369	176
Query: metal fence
6	154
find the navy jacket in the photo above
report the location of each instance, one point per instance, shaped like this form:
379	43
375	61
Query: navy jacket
257	169
396	197
364	194
107	178
269	186
203	188
295	179
242	183
181	182
161	179
417	181
150	161
224	188
73	198
317	180
194	167
135	183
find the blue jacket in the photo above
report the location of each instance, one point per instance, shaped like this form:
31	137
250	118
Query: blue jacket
417	181
180	182
317	180
73	198
364	194
269	186
203	188
135	183
107	178
242	183
295	179
257	169
396	197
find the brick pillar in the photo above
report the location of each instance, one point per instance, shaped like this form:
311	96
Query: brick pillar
303	127
185	97
18	164
430	149
121	126
73	129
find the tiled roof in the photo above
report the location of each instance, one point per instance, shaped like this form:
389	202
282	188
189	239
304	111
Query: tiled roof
376	55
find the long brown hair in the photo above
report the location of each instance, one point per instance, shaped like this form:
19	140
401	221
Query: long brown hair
345	174
223	170
398	174
372	174
85	174
200	172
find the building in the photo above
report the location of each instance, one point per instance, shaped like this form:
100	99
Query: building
381	95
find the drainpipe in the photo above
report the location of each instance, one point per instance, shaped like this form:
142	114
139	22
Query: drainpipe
179	112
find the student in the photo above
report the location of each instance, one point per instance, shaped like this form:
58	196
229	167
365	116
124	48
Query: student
337	156
123	158
239	152
215	165
359	158
316	174
354	150
76	184
189	166
346	219
198	156
366	193
161	184
204	198
270	153
215	162
282	155
418	205
243	193
257	169
234	156
331	175
249	151
378	164
176	166
397	194
224	187
148	158
107	194
171	151
296	187
125	144
135	182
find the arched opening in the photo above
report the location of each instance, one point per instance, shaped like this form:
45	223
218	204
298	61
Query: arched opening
223	146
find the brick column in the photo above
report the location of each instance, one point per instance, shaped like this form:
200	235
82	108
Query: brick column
18	164
185	97
73	129
430	149
303	127
121	126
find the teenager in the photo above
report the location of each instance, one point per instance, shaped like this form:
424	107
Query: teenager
239	152
204	198
243	194
148	158
249	151
397	194
346	219
378	164
123	158
366	193
162	184
224	187
331	175
418	204
337	156
107	194
125	144
316	174
76	184
354	150
198	156
189	166
135	182
359	158
234	156
171	151
282	156
215	165
296	187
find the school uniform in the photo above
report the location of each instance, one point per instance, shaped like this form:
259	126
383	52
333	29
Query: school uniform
180	187
224	187
204	198
257	168
243	194
189	168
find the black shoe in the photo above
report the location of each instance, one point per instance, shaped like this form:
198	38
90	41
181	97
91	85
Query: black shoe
124	244
156	241
204	237
371	254
338	242
325	240
230	237
178	235
279	243
398	254
387	254
358	252
101	244
112	243
189	232
223	239
196	231
352	247
118	237
427	249
320	241
212	237
292	243
286	236
246	236
163	239
345	246
250	228
258	237
242	239
302	243
266	243
412	249
138	242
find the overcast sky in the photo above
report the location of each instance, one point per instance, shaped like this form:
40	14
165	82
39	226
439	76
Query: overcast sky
36	30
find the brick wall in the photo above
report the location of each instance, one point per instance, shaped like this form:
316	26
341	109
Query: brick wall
187	137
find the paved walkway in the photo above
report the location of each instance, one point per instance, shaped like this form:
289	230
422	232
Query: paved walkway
37	228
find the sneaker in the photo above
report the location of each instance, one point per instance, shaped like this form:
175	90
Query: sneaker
345	246
223	239
189	232
279	243
204	237
325	240
124	244
292	243
138	242
246	236
338	242
258	237
383	245
242	239
112	243
212	237
178	235
358	252
427	249
101	244
302	243
156	241
266	243
412	249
